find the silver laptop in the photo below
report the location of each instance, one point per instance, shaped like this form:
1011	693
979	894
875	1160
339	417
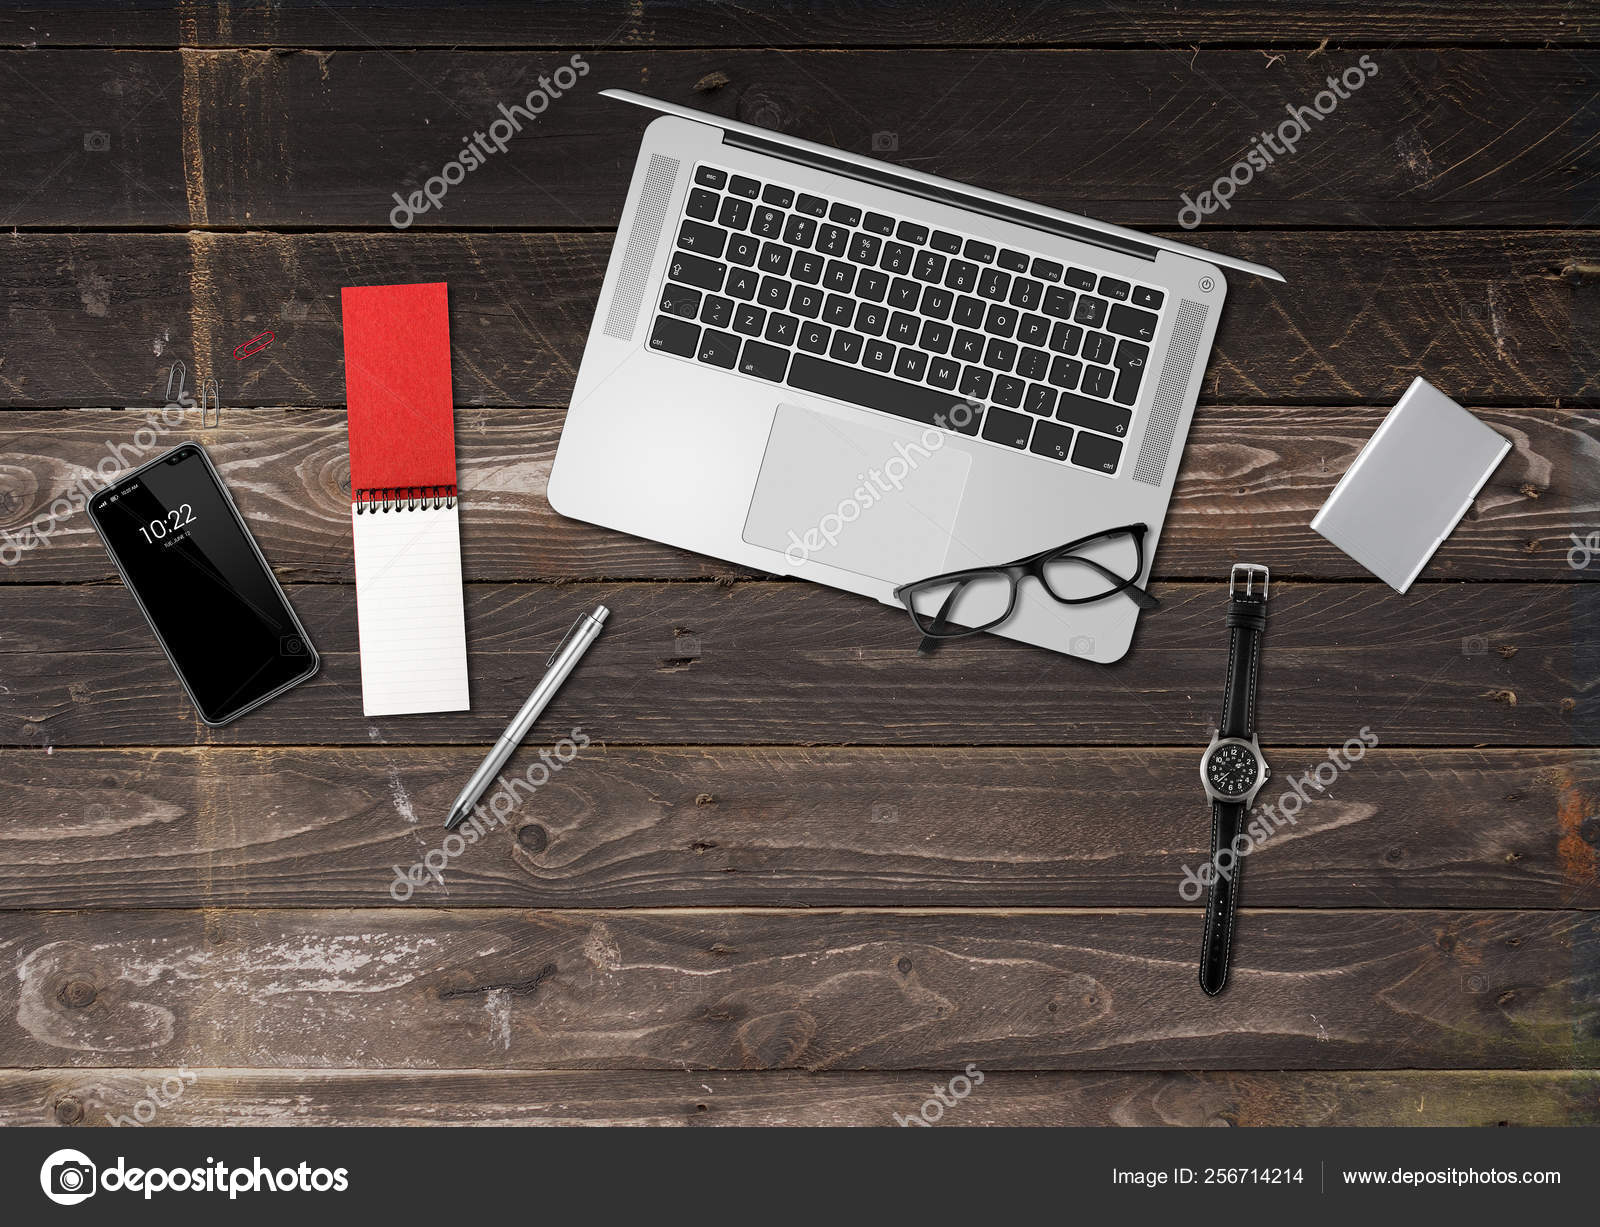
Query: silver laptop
816	364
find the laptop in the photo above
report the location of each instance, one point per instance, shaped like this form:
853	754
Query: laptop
816	364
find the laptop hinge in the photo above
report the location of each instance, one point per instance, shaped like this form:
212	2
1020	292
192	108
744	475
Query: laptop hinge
950	196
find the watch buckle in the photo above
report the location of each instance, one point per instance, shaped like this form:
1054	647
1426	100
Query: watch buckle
1250	570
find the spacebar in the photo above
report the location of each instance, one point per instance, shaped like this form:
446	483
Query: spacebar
905	400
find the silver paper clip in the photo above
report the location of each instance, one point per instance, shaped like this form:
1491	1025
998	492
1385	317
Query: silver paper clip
211	395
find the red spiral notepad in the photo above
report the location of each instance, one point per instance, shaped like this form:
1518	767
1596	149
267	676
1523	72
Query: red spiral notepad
409	610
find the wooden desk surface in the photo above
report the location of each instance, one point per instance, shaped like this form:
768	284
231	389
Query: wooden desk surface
800	872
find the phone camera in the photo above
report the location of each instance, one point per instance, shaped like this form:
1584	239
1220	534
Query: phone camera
291	645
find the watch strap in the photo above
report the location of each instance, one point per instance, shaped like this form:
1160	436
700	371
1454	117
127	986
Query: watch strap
1247	625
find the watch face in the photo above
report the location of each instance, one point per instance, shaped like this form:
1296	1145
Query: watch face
1232	770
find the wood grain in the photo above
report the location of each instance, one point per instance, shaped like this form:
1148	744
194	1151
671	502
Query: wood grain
221	1097
787	827
703	989
792	663
1251	480
817	23
1494	318
330	137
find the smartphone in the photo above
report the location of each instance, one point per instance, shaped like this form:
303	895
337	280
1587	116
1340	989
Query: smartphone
205	588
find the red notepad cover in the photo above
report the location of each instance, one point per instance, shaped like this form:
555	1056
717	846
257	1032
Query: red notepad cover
397	387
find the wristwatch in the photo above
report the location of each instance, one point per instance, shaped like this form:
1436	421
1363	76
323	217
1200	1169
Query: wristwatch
1232	769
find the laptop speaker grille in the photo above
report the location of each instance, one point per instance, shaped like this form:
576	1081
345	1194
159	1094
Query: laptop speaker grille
659	181
1167	406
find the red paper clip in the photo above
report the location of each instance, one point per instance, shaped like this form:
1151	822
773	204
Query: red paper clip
255	344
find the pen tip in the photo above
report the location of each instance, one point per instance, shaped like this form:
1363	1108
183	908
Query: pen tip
601	613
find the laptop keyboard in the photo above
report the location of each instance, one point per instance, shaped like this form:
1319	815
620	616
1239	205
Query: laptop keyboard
933	326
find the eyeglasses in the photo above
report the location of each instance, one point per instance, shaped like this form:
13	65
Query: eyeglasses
1092	568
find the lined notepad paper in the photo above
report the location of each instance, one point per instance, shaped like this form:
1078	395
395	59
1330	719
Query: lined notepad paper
409	612
408	607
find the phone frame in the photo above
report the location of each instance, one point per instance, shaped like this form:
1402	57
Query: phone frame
314	660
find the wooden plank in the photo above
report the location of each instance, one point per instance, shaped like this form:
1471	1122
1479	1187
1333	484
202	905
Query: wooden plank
212	1098
669	23
1428	138
703	989
791	663
1492	318
788	827
290	474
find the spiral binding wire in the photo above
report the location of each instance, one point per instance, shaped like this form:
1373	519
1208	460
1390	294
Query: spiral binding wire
413	498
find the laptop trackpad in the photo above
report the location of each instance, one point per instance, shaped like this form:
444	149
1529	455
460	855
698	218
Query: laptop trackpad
875	500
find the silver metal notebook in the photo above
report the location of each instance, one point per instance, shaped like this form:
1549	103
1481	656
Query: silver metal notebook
1410	485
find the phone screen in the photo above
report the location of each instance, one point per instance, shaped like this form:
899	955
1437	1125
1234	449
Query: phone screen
204	586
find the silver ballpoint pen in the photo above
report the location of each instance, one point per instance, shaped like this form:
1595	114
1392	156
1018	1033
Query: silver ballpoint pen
561	663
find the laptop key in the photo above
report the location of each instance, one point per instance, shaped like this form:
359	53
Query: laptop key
1012	429
844	214
935	336
1130	364
1111	287
1040	400
1052	440
946	242
1065	338
775	258
742	283
832	240
749	320
975	382
764	361
1001	321
1047	270
1026	293
735	213
864	248
807	267
1096	452
912	233
1096	415
775	194
968	312
1097	381
839	310
1008	391
911	401
743	185
719	349
718	311
702	205
1144	296
768	223
968	346
774	293
1129	321
879	355
961	275
781	329
896	259
871	318
943	373
1033	330
1033	363
806	301
936	302
879	224
840	276
847	346
902	328
983	253
743	249
696	271
1065	372
1090	311
814	337
994	282
872	285
929	266
675	336
1058	302
1098	347
812	206
999	354
710	176
1015	261
903	294
1080	279
799	231
680	301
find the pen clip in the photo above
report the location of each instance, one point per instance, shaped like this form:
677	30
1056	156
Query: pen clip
564	640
